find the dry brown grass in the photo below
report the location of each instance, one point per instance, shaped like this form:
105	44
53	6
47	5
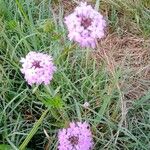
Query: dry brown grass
67	5
131	54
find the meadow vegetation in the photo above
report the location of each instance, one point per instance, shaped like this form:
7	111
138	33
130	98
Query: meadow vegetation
117	90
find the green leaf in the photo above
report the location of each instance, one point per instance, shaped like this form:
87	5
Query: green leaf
97	5
49	26
33	131
12	24
55	102
5	147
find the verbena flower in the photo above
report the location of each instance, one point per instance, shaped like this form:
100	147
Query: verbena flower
77	137
37	68
85	25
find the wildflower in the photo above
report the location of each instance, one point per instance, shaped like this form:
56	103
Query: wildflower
85	25
37	68
86	105
77	137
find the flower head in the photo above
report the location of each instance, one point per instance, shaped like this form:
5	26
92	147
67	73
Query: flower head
77	137
85	25
37	68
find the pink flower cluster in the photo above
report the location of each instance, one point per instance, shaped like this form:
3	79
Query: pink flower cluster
37	68
85	25
77	137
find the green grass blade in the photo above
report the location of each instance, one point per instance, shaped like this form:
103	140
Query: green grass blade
97	5
33	131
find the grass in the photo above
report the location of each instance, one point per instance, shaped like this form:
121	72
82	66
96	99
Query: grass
118	121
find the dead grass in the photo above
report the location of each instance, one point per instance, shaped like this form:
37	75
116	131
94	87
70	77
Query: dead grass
131	54
68	6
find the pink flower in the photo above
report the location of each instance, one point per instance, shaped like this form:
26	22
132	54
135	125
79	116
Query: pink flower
37	68
85	25
77	137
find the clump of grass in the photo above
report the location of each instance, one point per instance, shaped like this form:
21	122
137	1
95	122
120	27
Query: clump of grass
127	16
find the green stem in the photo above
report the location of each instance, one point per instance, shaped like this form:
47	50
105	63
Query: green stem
33	131
87	58
97	5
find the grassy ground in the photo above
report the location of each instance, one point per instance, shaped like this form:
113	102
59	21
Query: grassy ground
118	91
